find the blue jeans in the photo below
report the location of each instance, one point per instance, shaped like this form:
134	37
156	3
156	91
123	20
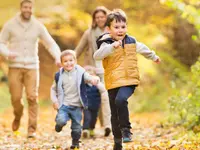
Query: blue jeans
118	98
89	119
65	113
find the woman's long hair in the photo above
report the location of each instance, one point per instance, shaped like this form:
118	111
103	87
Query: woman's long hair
98	9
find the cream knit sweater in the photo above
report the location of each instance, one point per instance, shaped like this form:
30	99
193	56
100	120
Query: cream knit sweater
22	39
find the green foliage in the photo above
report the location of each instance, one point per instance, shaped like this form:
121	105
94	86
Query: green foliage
189	10
185	105
183	31
5	97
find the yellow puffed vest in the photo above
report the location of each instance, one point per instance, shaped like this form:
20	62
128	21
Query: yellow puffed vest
121	66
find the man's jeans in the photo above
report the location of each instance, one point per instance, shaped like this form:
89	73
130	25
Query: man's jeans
65	113
89	119
119	109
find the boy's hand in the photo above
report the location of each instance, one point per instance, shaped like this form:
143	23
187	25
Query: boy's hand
55	106
95	80
157	60
117	44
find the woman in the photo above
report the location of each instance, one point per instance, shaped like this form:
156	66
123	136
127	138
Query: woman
88	45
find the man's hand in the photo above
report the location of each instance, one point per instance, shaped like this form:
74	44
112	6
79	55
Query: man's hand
58	63
117	44
12	55
55	106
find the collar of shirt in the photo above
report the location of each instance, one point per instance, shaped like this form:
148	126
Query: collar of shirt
70	72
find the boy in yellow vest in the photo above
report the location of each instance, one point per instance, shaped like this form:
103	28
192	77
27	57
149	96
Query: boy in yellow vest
118	52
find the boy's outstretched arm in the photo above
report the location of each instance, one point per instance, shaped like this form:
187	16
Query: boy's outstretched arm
146	52
103	91
104	51
53	96
94	80
101	88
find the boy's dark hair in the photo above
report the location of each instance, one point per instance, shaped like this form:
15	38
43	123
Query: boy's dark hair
118	15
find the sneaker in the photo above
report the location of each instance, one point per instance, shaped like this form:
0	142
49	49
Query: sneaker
15	125
126	135
86	133
107	132
31	135
91	133
16	133
75	145
58	128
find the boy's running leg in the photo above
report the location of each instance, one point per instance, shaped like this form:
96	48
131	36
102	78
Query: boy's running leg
94	115
62	118
76	116
115	120
86	122
122	104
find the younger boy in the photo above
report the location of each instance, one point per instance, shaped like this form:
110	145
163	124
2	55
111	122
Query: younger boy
68	94
97	96
118	52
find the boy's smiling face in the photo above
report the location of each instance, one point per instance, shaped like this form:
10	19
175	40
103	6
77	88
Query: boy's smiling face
117	30
68	62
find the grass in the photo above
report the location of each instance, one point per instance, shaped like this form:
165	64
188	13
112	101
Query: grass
5	97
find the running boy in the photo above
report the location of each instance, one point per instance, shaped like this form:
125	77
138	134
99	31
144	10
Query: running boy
118	52
68	94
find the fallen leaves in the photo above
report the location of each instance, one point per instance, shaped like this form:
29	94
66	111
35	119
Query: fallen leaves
147	135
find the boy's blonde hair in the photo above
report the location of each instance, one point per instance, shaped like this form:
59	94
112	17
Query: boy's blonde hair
68	52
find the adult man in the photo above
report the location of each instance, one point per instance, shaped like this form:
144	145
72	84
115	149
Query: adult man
22	33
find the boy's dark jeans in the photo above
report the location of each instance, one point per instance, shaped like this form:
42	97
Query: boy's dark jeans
118	98
89	119
65	113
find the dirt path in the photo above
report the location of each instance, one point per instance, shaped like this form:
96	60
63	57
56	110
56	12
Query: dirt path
147	134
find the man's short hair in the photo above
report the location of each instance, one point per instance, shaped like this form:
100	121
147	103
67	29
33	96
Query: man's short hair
118	15
23	1
68	52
